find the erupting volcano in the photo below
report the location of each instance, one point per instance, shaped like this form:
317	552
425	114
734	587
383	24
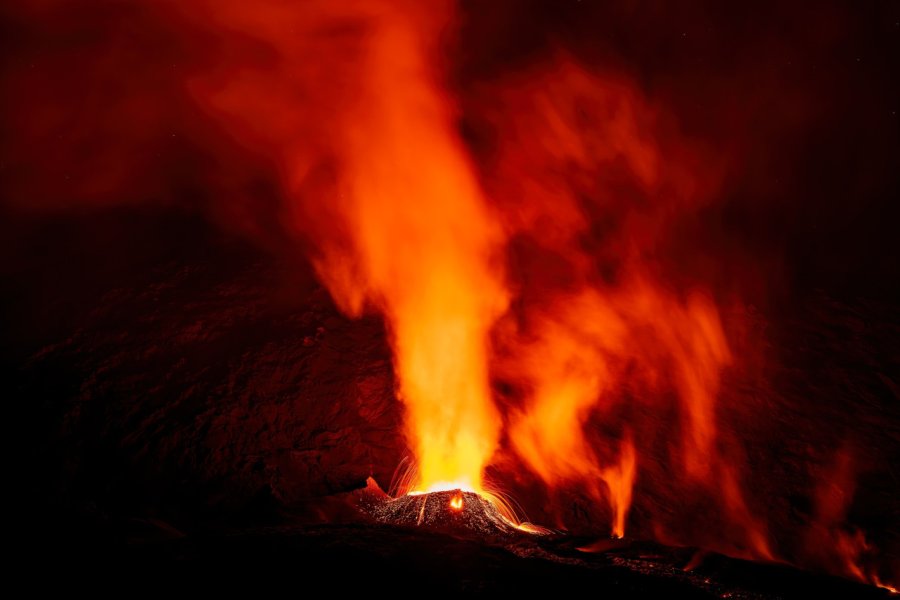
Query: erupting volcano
584	289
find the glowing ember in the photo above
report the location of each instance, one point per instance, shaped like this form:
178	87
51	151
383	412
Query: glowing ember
456	502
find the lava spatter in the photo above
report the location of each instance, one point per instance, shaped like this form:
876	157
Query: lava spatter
455	511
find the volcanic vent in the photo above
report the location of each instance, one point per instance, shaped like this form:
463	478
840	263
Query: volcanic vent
456	511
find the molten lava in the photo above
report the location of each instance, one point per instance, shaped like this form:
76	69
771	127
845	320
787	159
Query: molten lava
422	246
529	275
405	228
403	224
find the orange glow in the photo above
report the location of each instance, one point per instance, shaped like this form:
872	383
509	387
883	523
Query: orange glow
368	146
603	330
831	544
885	586
619	480
545	270
404	227
406	173
572	366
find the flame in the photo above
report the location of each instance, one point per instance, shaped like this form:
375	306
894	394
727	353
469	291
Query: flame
619	480
830	543
407	173
599	332
405	229
574	366
384	187
547	271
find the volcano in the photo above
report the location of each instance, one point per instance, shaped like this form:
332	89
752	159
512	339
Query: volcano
626	264
452	511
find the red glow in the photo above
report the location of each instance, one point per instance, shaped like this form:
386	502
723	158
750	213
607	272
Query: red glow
529	236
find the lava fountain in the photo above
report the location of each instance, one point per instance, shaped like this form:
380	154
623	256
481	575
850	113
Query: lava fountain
406	229
382	183
423	242
545	269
